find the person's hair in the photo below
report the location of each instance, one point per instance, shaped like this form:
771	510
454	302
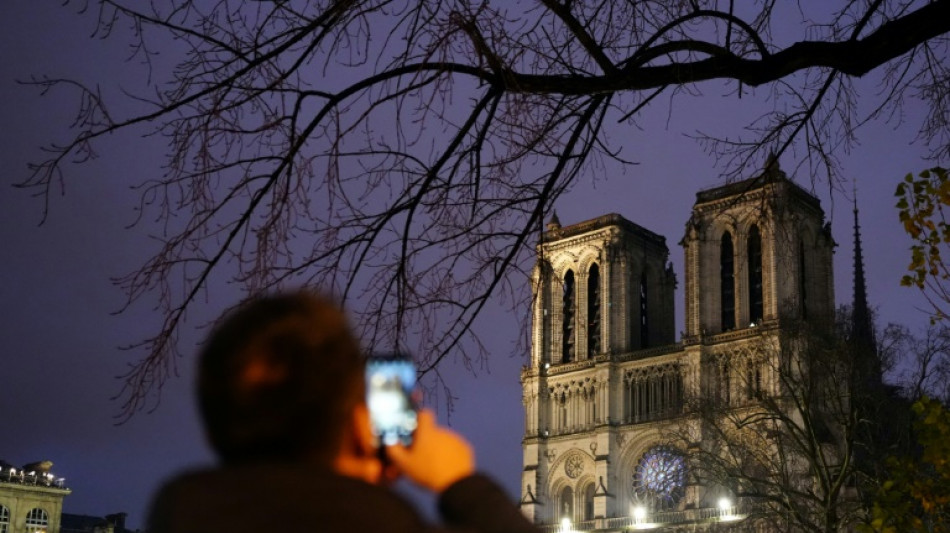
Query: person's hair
278	378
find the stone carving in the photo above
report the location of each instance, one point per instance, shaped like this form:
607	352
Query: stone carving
574	466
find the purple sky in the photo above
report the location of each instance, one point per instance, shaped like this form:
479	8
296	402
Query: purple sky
59	337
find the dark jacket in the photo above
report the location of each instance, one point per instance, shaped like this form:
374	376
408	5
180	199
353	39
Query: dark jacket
290	498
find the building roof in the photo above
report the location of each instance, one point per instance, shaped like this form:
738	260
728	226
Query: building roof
772	175
611	219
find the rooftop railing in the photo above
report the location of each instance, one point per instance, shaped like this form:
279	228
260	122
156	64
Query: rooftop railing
644	520
31	477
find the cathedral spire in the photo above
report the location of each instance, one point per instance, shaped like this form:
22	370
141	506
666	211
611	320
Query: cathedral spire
862	328
862	331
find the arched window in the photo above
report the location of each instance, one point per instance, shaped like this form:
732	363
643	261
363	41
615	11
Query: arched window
4	519
562	413
37	520
566	503
802	280
593	311
567	341
725	383
644	315
589	502
755	275
753	381
727	282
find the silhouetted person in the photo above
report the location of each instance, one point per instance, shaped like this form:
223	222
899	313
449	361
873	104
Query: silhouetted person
281	389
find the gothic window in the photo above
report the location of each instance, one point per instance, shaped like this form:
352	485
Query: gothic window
725	383
757	381
727	283
663	397
753	381
567	341
639	399
644	316
4	519
589	502
566	503
651	403
593	311
653	394
802	285
679	392
755	275
660	478
562	412
37	520
636	391
676	392
590	406
632	400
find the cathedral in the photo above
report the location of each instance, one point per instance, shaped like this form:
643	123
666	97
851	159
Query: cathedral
608	380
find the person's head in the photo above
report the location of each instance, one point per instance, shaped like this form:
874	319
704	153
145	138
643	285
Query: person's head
278	380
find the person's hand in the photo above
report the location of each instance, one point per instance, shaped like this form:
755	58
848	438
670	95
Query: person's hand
437	458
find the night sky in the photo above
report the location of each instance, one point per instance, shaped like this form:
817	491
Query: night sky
60	338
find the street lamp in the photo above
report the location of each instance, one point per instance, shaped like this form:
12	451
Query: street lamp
566	526
639	513
640	518
726	510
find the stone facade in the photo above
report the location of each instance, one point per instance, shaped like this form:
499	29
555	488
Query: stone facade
607	379
31	499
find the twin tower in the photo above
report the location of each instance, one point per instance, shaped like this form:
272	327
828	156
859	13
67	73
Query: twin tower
607	376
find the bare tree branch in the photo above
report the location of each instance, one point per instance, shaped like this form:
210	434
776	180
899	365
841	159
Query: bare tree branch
402	153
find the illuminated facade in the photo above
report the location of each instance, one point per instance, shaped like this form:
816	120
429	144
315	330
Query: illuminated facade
608	380
31	498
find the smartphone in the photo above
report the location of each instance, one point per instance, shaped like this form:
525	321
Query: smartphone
391	397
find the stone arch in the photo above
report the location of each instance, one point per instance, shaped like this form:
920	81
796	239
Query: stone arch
583	257
585	493
576	404
716	228
555	267
704	284
561	262
567	305
37	520
671	455
564	504
565	474
594	307
729	270
639	442
754	243
652	392
586	257
754	217
753	290
561	472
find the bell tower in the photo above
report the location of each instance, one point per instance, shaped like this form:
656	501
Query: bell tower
603	289
757	251
609	391
601	286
